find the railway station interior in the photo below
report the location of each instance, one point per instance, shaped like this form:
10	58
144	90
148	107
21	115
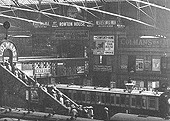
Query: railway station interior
83	45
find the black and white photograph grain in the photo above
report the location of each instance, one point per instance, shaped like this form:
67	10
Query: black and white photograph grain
84	60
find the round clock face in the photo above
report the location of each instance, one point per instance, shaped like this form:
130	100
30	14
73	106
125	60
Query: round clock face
72	12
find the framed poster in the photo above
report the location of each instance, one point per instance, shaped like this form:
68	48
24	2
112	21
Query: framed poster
139	64
104	45
147	65
155	64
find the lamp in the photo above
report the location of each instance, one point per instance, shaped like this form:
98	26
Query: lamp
129	86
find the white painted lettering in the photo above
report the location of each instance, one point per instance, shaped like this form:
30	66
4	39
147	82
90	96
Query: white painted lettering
8	45
79	24
66	24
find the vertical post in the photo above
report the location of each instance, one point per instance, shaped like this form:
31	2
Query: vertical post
85	14
6	34
28	96
1	86
39	14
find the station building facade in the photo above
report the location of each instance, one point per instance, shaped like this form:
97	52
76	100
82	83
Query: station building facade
114	46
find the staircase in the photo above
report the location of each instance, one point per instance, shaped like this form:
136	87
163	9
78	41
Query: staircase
15	92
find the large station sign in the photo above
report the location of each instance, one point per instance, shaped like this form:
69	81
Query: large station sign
79	24
143	42
106	23
104	45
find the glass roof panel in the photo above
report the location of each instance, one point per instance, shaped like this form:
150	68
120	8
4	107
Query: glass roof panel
15	2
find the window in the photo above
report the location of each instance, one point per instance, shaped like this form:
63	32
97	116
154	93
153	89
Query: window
79	96
152	103
112	99
144	102
88	97
98	100
122	100
93	97
74	95
127	100
107	98
83	96
138	101
117	99
102	97
133	101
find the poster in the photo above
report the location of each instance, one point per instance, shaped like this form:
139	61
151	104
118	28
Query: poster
147	65
103	45
139	64
155	64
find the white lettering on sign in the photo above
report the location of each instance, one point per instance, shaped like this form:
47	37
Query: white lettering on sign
54	24
65	24
147	42
42	70
71	24
103	37
8	45
57	24
79	24
43	25
106	23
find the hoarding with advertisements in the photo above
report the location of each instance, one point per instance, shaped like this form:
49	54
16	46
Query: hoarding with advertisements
104	45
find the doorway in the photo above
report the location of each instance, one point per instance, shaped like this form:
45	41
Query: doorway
7	56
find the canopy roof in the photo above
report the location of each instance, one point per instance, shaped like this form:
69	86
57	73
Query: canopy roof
14	2
25	5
